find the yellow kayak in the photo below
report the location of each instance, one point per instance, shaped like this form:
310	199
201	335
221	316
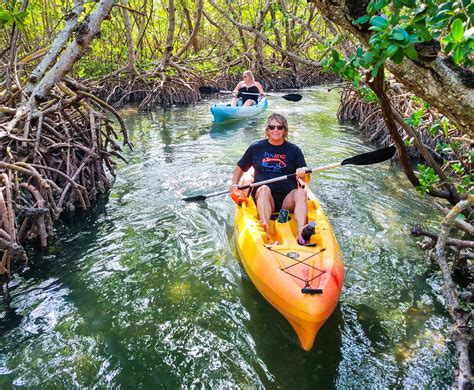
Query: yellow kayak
302	282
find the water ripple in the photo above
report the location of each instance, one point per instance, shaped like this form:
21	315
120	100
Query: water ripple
146	291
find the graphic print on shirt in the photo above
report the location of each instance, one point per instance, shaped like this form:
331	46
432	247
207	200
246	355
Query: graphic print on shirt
273	162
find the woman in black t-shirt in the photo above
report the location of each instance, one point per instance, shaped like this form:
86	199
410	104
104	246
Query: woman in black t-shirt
248	90
273	157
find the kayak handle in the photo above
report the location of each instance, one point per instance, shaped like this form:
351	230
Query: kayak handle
312	291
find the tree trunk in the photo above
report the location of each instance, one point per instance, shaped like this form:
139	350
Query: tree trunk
12	54
86	31
132	60
276	32
241	33
165	60
257	46
57	45
192	40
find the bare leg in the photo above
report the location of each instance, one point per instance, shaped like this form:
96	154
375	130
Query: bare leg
249	102
297	200
234	102
265	207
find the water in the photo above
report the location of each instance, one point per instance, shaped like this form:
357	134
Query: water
146	291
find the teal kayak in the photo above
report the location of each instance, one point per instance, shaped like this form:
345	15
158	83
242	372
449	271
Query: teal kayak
226	112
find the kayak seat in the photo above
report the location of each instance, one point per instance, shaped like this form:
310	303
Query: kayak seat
274	217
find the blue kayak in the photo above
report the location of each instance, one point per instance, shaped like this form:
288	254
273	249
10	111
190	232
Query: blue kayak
226	112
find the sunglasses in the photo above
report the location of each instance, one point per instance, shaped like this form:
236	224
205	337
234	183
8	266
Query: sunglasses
278	127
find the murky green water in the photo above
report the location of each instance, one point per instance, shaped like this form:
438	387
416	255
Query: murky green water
147	292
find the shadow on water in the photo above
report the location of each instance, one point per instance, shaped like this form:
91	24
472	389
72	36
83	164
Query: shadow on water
58	266
97	323
220	131
277	344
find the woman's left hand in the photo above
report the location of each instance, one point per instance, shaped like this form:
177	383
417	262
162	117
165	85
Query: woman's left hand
301	172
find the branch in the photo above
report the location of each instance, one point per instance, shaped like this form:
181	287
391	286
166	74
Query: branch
416	231
265	39
460	331
437	81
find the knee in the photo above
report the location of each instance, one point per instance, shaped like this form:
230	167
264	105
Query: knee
300	195
264	192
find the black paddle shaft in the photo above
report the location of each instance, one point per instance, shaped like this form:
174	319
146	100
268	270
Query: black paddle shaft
369	158
292	97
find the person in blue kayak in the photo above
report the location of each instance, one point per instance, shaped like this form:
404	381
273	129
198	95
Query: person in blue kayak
248	90
272	157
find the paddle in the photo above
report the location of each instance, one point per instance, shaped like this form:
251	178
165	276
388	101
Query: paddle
292	97
369	158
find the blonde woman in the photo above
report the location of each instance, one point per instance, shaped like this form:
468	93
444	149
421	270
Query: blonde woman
272	157
248	90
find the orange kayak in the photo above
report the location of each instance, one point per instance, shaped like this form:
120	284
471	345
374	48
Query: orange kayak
302	282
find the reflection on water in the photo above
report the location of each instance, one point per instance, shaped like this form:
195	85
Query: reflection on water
146	291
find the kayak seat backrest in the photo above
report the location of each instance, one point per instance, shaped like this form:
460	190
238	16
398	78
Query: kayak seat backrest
274	217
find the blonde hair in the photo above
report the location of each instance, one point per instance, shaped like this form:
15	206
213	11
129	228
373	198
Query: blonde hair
281	120
250	74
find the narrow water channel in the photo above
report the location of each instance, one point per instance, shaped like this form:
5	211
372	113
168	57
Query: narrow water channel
147	291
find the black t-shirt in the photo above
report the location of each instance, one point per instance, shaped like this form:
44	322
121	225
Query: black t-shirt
271	161
253	89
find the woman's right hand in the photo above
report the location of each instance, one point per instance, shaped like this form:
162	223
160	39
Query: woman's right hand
233	187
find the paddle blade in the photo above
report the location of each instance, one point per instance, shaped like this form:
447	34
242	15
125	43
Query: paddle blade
196	198
371	157
208	90
292	97
204	197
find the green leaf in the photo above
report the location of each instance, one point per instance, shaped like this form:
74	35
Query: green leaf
363	19
379	5
448	48
421	15
457	30
415	38
424	32
458	55
4	17
409	3
359	52
411	53
374	40
375	69
397	36
434	129
395	18
441	16
403	32
391	50
445	124
21	15
398	57
379	21
377	28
